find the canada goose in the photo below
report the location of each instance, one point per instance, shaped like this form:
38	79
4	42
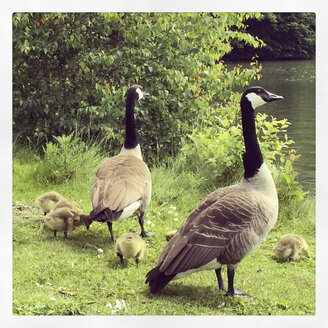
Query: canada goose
65	219
291	247
122	185
48	201
230	222
169	235
130	245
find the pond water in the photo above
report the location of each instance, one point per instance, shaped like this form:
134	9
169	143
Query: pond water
295	81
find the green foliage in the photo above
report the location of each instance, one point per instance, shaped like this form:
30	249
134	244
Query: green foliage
285	178
286	36
71	73
65	158
215	151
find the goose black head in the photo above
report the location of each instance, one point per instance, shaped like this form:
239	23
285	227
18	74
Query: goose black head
258	96
136	92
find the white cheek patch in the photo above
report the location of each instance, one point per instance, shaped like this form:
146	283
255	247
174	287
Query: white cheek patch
140	93
255	100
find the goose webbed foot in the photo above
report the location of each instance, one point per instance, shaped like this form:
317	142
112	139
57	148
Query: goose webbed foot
236	293
144	234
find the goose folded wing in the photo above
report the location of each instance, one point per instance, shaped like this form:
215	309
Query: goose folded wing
208	234
119	183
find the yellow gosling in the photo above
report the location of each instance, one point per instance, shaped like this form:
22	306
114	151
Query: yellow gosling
65	219
170	234
73	206
48	201
130	245
291	247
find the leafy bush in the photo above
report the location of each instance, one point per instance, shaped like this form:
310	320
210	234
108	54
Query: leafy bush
71	72
66	159
286	36
215	152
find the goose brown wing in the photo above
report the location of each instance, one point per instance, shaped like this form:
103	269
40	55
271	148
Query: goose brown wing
120	181
215	229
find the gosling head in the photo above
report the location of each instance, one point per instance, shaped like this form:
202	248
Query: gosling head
136	92
258	96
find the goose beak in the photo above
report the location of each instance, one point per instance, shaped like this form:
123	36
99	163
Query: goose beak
145	94
273	97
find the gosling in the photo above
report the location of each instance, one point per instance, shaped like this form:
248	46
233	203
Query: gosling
130	245
170	234
48	201
73	206
65	219
291	247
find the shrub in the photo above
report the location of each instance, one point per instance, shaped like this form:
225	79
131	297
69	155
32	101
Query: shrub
67	158
215	152
71	72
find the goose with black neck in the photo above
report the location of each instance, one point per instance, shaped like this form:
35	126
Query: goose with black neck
230	222
122	185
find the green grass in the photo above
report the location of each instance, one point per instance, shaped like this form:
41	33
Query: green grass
74	277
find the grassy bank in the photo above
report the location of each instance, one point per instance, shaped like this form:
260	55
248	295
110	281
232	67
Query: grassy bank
82	275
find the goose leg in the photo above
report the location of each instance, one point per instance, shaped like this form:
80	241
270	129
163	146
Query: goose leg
55	233
231	290
231	275
220	280
137	261
111	231
141	222
65	234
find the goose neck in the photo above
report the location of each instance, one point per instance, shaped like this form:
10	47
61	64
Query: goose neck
252	158
131	139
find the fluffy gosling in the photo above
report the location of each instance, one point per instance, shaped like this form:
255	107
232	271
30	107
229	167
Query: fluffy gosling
73	206
65	219
170	234
48	201
291	247
130	245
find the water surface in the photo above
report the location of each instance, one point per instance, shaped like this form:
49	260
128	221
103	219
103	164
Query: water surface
295	81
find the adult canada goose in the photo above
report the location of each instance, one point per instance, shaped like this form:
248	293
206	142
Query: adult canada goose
230	222
291	247
130	245
65	219
122	185
48	201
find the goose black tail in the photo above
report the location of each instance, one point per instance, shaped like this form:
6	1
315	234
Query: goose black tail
157	280
105	215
